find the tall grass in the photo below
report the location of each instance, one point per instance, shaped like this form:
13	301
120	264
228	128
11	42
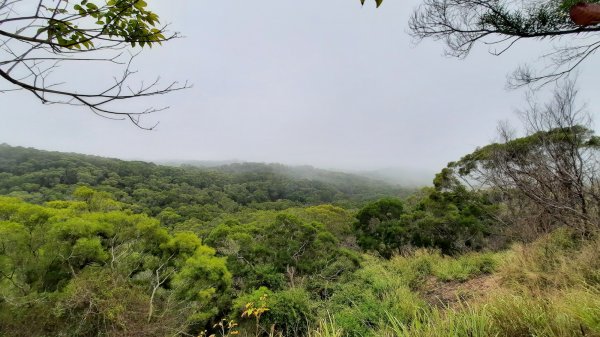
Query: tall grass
584	306
326	327
433	322
549	288
360	303
414	268
556	261
568	314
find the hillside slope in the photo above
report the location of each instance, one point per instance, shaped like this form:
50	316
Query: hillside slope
39	176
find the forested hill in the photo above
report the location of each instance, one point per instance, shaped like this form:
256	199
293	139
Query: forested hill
189	191
346	182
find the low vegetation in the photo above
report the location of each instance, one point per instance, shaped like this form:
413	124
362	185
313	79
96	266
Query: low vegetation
99	247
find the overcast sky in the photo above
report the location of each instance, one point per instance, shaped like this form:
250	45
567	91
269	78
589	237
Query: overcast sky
325	83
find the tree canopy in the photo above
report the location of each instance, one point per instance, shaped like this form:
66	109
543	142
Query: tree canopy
59	255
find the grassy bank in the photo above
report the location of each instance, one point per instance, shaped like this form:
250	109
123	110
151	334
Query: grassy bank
548	288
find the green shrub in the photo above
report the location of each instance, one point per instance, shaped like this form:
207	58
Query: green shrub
415	268
290	311
360	303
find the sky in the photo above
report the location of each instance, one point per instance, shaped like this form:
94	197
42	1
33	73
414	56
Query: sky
323	83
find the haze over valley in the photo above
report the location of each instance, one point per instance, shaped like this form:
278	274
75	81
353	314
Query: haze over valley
347	168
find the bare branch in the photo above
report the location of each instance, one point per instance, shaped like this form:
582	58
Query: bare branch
554	166
33	47
462	24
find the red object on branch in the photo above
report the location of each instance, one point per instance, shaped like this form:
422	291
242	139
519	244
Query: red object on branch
584	14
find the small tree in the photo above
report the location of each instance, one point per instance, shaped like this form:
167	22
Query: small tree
554	167
378	226
36	37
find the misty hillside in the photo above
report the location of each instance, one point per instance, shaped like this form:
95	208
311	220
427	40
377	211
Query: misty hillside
308	172
425	217
93	246
39	176
401	176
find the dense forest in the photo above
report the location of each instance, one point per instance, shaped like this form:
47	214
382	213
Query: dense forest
191	192
118	247
504	243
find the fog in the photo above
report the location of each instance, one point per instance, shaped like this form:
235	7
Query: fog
323	83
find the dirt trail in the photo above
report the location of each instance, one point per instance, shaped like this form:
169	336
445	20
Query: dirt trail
450	294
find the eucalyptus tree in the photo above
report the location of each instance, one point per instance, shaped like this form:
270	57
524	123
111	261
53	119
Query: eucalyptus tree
554	168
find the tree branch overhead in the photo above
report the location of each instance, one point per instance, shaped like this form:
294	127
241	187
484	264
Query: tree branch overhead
38	37
500	24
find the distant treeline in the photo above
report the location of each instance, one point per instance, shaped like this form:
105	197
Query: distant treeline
192	192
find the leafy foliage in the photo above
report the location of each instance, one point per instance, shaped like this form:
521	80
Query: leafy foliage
449	218
279	251
379	227
178	194
128	20
40	37
87	259
63	253
553	170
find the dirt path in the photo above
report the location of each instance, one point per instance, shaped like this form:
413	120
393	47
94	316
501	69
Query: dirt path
450	294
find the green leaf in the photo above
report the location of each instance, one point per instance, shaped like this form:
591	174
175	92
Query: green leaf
140	4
